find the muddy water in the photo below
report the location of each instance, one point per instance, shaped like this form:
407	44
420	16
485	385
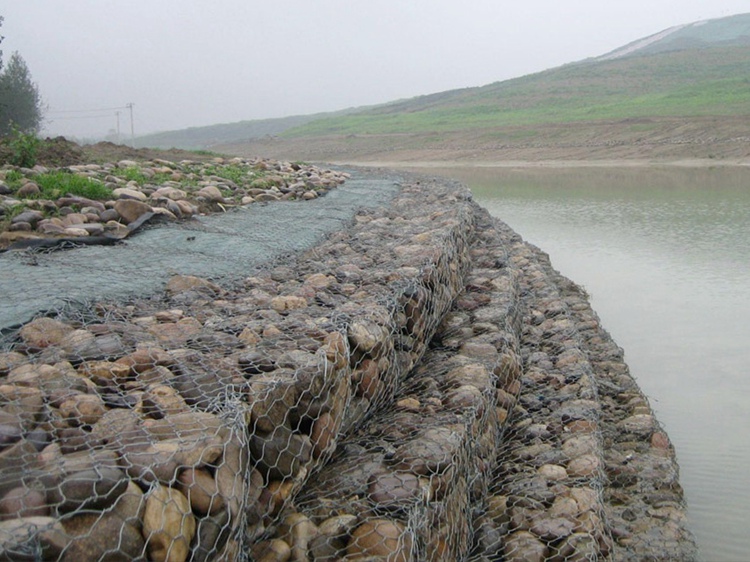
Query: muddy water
665	256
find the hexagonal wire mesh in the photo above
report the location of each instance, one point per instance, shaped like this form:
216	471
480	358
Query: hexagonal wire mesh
180	426
363	400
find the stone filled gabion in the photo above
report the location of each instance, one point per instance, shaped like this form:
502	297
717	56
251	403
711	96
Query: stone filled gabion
419	386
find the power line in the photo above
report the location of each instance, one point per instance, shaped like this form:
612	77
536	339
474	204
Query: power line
86	110
107	116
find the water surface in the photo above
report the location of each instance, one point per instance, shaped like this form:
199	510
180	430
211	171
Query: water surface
665	255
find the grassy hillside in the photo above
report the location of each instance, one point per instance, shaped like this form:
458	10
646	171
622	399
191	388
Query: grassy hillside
681	93
195	138
202	137
690	83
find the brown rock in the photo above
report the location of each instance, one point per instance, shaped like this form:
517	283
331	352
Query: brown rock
154	376
336	349
160	400
130	209
584	466
380	537
323	435
211	539
128	194
23	407
522	546
578	547
181	283
185	425
83	409
271	396
9	360
276	495
287	302
97	488
23	502
43	332
146	358
581	426
161	461
168	525
431	452
21	539
16	460
552	472
237	489
564	506
118	426
367	378
553	528
577	445
586	498
393	490
211	193
464	397
175	334
365	337
131	505
273	550
640	424
201	490
297	530
28	189
333	533
104	373
281	454
659	440
101	536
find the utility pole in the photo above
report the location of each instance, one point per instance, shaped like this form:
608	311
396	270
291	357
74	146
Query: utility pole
117	114
132	130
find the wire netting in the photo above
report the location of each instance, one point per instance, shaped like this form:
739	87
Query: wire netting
420	385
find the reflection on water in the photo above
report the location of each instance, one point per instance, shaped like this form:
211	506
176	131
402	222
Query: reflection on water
665	254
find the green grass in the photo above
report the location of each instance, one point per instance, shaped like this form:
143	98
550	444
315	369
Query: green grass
692	83
14	179
134	173
58	184
232	172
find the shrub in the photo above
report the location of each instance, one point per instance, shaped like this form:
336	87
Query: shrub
24	148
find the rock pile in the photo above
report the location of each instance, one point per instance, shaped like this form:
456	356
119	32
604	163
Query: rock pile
419	386
127	193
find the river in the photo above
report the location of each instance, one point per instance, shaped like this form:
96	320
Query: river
664	253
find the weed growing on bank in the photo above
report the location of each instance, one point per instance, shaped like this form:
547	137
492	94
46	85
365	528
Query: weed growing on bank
54	185
23	148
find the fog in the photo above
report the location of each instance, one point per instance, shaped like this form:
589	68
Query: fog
185	63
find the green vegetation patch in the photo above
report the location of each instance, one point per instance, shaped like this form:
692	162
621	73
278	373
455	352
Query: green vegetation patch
232	172
53	185
692	83
14	179
136	174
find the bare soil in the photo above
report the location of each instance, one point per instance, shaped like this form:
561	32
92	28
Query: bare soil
58	151
704	141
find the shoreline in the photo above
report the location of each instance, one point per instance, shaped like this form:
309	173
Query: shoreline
561	164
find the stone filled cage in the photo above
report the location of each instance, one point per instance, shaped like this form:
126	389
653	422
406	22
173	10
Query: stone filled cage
400	392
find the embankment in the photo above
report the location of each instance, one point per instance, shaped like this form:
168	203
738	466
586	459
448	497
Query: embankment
421	385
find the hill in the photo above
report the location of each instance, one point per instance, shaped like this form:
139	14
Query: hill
195	138
681	93
201	137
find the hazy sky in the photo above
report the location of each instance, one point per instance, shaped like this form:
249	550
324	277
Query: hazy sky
186	63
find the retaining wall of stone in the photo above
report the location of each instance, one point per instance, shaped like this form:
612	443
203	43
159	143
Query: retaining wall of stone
420	386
